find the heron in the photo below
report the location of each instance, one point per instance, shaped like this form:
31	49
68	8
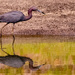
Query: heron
17	61
16	16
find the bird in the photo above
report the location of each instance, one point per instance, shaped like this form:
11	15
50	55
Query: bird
17	16
17	61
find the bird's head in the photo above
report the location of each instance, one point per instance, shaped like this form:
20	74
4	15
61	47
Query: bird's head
35	68
36	9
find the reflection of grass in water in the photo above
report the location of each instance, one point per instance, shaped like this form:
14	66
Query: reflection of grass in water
60	71
52	53
11	71
44	49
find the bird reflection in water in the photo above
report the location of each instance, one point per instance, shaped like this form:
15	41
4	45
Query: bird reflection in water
16	60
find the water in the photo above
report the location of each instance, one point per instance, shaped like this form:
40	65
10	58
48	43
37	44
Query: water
57	51
37	39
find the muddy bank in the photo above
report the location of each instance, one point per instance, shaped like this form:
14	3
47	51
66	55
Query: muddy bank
59	18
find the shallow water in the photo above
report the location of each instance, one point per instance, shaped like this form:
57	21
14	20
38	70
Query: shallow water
38	39
57	51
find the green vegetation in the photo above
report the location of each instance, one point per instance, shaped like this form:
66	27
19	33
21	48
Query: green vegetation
57	54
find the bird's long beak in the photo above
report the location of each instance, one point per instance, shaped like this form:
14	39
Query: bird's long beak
40	11
41	65
37	67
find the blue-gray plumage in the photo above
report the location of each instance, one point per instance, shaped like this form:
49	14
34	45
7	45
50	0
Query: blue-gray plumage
12	17
18	61
16	16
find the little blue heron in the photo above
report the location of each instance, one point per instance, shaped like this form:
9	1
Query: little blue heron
18	61
16	16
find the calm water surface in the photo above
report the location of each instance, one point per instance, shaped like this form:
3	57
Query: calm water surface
42	42
38	39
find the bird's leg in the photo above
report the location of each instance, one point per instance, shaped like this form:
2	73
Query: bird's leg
1	31
1	39
3	27
13	39
1	45
13	44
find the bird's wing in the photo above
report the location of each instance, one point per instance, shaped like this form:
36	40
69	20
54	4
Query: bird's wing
12	61
11	17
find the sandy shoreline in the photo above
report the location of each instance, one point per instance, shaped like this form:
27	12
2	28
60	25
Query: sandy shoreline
59	18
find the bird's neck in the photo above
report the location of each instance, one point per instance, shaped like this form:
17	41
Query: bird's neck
29	15
31	64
